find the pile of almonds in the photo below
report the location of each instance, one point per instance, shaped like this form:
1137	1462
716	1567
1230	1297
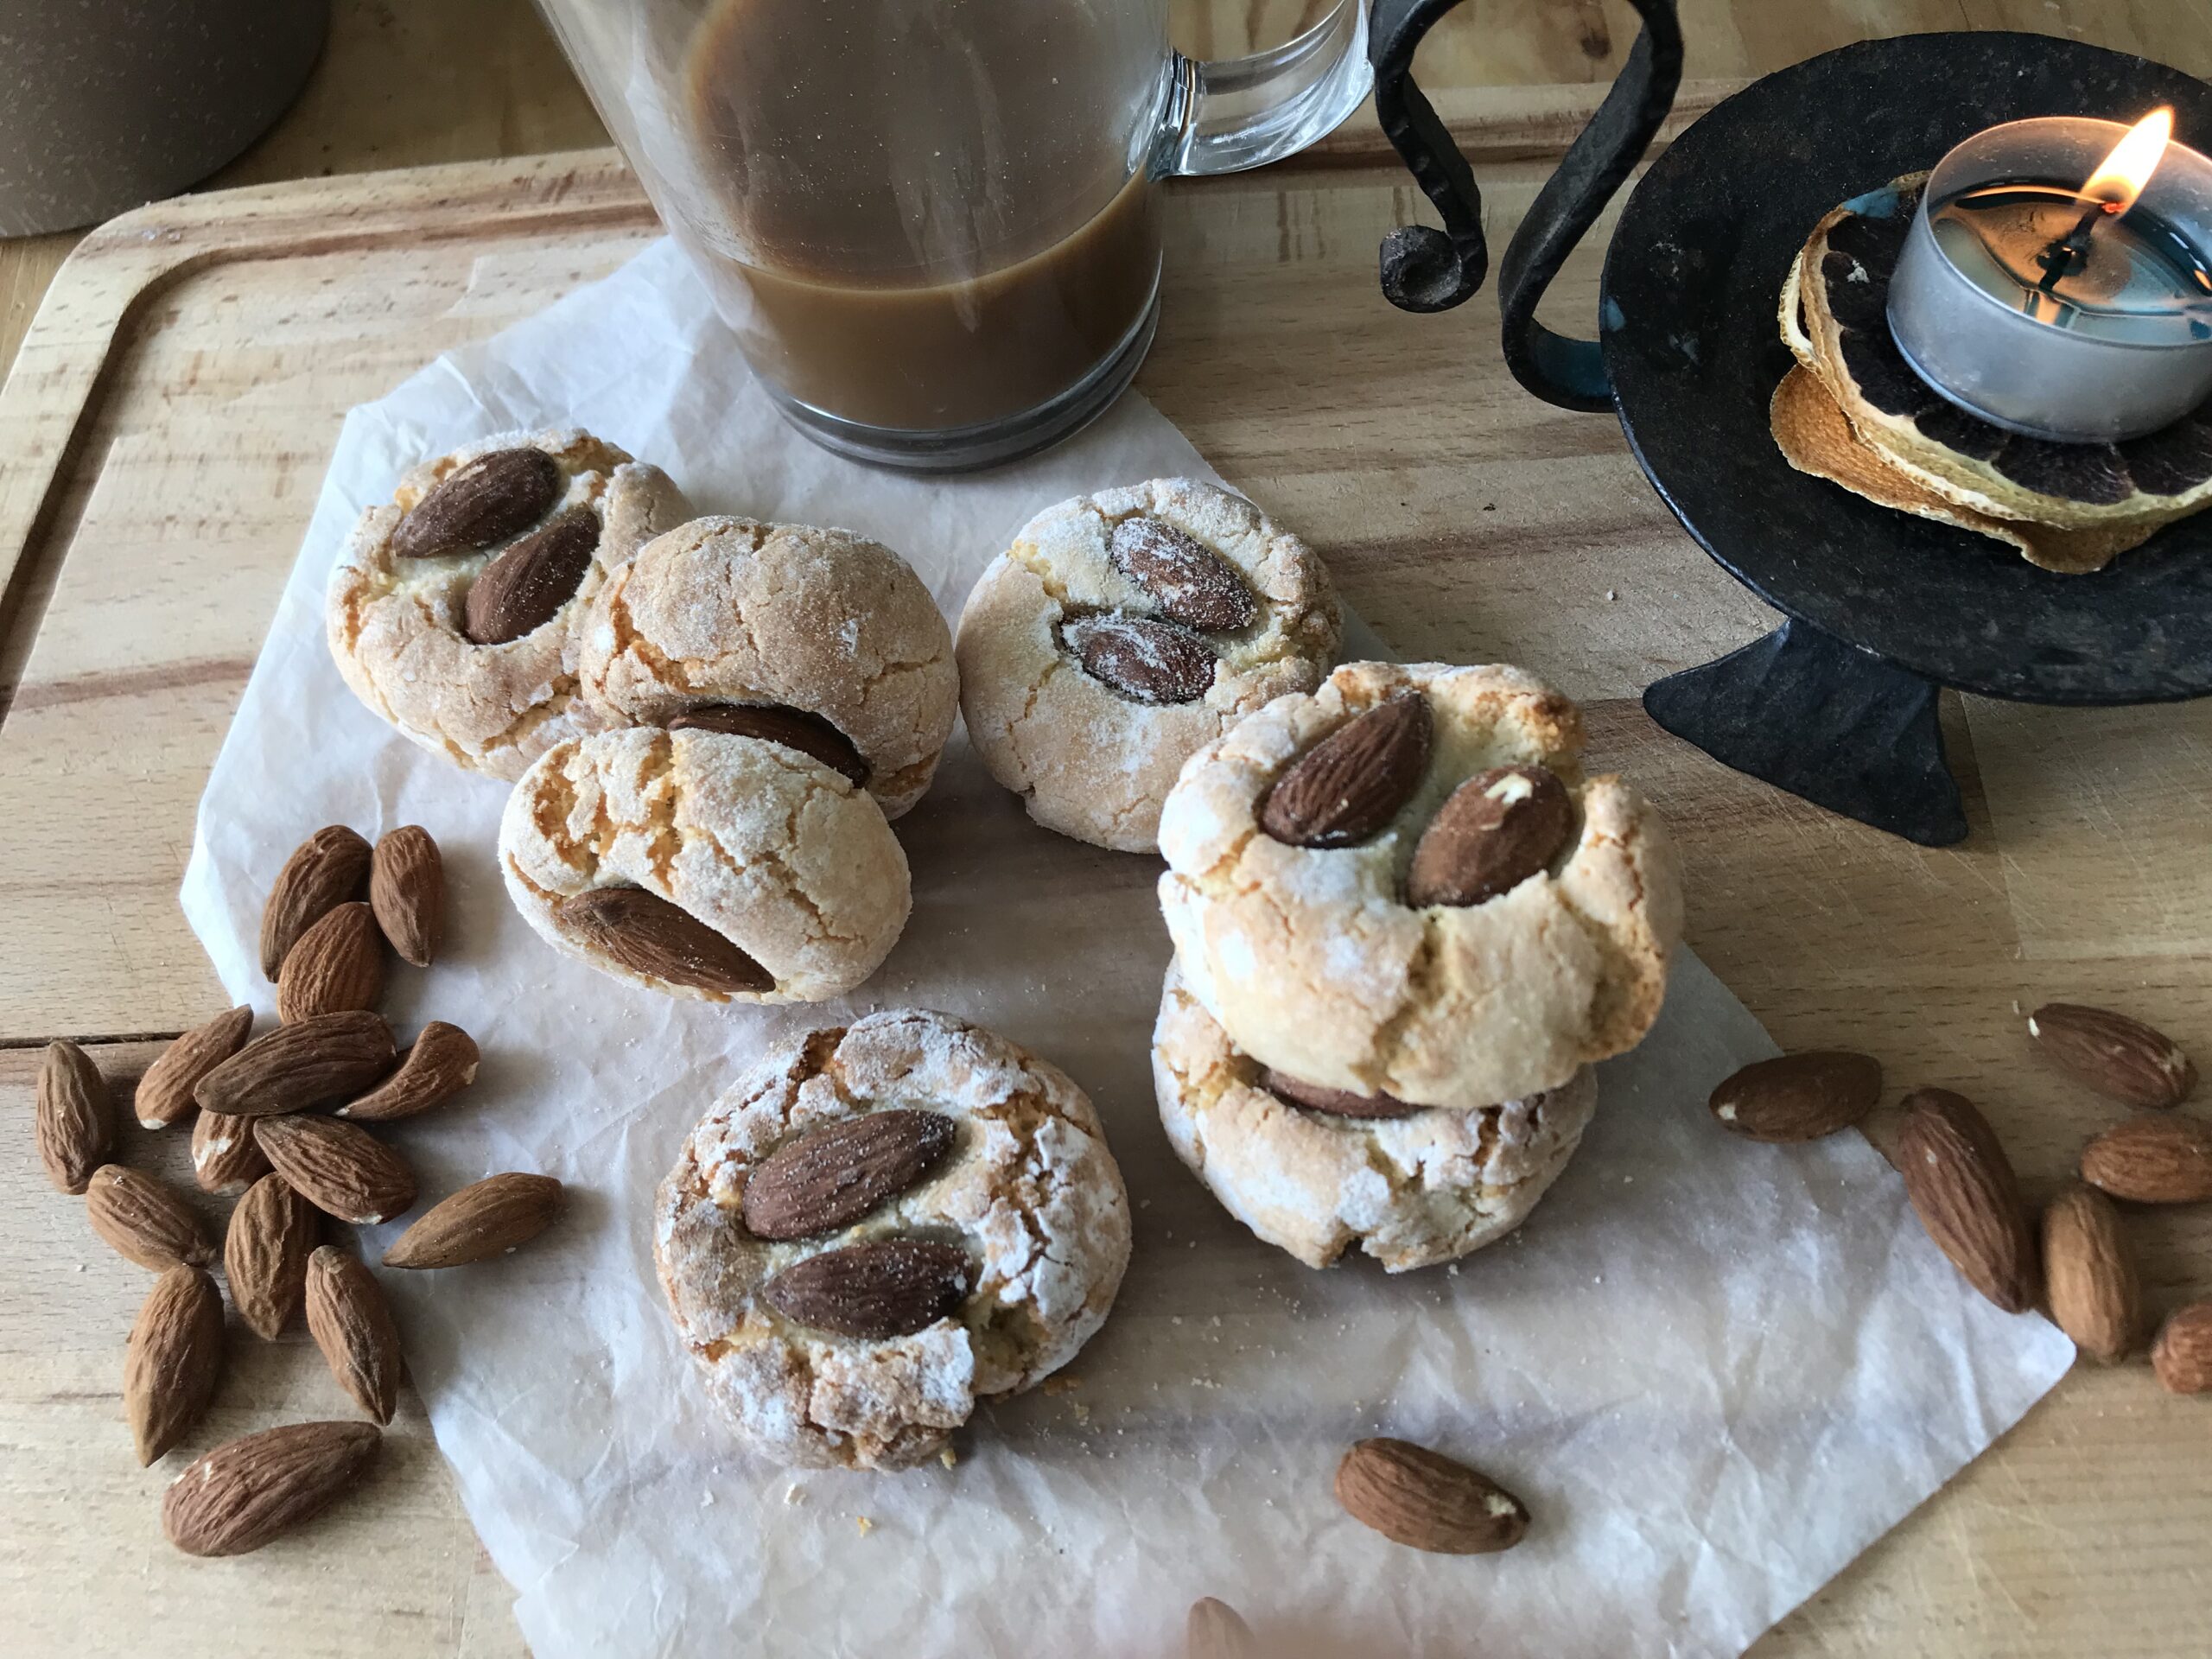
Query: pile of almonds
258	1132
2075	1263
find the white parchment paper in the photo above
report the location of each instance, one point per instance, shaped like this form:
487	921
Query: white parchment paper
1716	1371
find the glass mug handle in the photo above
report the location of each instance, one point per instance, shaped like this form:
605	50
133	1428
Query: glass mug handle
1428	270
1229	114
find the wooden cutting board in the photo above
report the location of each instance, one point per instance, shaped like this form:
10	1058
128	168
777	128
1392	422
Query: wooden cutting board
167	428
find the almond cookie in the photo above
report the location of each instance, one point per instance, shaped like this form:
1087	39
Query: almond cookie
878	1226
1402	885
817	637
451	612
1124	631
705	865
1315	1172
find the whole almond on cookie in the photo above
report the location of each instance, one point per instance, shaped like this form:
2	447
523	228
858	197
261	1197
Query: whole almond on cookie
523	588
1348	786
343	1171
480	502
650	936
1798	1096
76	1120
407	891
265	1254
892	1288
2158	1158
173	1359
301	1064
441	1063
1498	829
1425	1500
831	1176
2095	1295
489	1219
248	1492
335	967
1214	1631
226	1158
1142	658
331	867
2182	1357
2113	1054
144	1220
1337	1102
165	1092
1963	1188
1190	583
795	729
351	1323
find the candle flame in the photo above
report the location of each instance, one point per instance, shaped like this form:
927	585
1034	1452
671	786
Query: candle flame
2120	180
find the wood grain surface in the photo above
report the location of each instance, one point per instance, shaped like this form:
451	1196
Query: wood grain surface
173	410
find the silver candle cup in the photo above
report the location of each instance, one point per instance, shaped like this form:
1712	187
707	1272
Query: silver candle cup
2069	382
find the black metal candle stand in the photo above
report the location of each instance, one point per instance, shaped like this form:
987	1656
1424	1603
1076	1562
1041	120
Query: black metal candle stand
1838	705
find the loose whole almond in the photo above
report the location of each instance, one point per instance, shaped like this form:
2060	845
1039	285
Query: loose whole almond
440	1065
331	867
301	1064
1962	1187
351	1322
173	1359
1337	1102
1798	1096
407	890
646	934
1350	784
1498	829
2113	1054
2095	1295
226	1158
1189	582
2158	1158
1214	1631
480	502
249	1492
489	1219
335	966
831	1176
523	588
76	1123
343	1171
145	1221
165	1092
795	729
892	1288
1425	1500
2182	1357
265	1254
1143	659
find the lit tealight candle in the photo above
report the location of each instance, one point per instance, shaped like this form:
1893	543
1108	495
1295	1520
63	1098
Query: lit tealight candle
2078	313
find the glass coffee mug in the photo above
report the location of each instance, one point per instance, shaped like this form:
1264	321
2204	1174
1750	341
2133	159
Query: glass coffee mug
934	224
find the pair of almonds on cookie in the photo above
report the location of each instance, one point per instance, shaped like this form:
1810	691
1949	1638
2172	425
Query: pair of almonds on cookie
1163	657
485	501
1498	828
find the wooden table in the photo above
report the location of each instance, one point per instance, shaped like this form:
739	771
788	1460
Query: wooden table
1493	527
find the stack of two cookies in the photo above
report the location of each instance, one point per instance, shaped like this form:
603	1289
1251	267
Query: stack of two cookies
709	723
1405	926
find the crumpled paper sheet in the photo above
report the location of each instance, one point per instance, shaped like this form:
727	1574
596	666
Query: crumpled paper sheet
1715	1371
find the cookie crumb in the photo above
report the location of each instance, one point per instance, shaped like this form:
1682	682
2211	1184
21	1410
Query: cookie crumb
1062	1383
864	1525
792	1495
948	1457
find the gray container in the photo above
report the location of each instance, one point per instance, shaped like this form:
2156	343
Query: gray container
106	104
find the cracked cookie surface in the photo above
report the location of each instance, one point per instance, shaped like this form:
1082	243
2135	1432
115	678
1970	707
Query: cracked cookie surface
774	851
394	623
1030	1192
725	610
1314	962
1411	1192
1089	761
